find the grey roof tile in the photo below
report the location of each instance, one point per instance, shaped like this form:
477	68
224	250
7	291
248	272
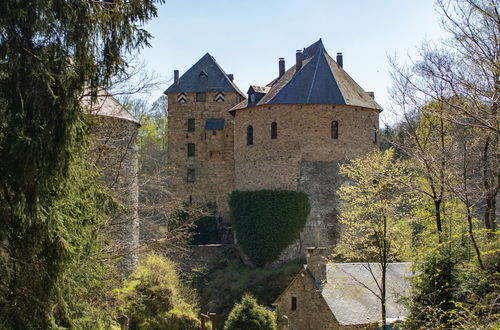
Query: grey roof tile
347	291
319	81
204	76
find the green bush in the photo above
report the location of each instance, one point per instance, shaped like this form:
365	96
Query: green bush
206	231
267	221
248	315
153	297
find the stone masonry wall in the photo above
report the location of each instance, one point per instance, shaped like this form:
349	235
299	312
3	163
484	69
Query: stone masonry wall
304	158
311	313
116	155
213	162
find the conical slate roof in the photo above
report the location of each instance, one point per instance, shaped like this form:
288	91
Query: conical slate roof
320	80
204	76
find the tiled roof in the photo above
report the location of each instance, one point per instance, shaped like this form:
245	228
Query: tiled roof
106	105
347	291
204	76
319	81
259	89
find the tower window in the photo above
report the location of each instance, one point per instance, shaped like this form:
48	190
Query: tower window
335	129
191	149
191	125
274	130
294	304
201	97
249	135
190	175
374	135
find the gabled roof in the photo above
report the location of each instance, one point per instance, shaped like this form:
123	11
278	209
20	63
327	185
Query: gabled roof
320	80
258	89
347	291
204	76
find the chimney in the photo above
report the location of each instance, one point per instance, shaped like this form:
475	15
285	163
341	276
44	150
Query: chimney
281	65
298	58
371	94
176	77
230	76
316	263
340	60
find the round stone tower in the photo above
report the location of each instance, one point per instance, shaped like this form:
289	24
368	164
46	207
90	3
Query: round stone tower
293	133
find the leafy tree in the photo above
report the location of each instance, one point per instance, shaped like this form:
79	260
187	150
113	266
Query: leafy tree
249	315
154	297
375	209
51	53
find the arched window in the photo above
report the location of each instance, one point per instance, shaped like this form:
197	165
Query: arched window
335	129
249	135
274	130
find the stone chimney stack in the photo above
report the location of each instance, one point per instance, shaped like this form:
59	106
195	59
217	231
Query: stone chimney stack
340	60
281	65
176	77
230	76
371	94
316	262
298	60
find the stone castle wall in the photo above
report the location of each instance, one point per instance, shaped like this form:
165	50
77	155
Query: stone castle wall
117	157
213	163
304	157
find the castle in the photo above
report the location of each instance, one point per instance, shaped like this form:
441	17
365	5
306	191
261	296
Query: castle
291	134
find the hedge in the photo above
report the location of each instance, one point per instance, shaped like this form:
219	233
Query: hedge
267	221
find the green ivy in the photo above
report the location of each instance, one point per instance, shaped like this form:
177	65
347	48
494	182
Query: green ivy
267	221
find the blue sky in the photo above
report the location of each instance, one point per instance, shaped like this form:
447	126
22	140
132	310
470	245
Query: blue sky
247	37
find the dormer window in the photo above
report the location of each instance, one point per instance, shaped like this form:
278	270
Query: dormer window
203	74
252	98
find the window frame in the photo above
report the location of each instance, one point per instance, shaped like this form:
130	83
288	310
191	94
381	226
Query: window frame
201	97
191	175
293	303
334	130
191	124
249	135
191	149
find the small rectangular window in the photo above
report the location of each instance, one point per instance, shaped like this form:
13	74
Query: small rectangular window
190	175
191	149
201	97
191	125
294	304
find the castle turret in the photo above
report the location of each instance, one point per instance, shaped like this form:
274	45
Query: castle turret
201	135
297	130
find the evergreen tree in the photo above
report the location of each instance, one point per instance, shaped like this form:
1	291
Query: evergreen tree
51	53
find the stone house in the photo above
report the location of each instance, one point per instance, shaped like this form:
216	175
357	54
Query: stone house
338	295
291	134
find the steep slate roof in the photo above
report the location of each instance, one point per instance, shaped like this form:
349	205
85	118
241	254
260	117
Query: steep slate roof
215	80
346	293
320	80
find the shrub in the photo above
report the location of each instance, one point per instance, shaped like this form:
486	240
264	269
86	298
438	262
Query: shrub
153	297
249	315
267	221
